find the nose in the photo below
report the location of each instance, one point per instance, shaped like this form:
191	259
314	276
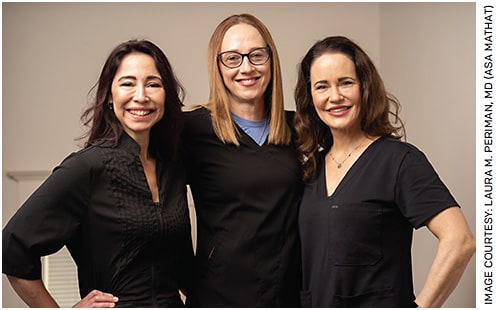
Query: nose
335	95
140	94
246	65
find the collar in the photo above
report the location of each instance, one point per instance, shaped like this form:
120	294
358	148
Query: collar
129	144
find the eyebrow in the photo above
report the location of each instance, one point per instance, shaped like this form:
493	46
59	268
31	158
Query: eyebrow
132	77
238	51
347	78
339	80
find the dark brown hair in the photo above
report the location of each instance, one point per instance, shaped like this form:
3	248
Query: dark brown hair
378	109
102	122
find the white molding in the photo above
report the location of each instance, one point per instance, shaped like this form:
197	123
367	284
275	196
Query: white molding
28	175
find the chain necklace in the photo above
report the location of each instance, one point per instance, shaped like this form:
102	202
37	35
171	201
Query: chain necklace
340	164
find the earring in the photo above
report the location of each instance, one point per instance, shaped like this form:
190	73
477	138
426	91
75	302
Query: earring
111	107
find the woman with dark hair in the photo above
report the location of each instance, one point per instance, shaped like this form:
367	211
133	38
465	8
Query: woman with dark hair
244	175
366	191
119	204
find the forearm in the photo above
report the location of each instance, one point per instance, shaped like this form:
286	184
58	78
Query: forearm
33	293
445	272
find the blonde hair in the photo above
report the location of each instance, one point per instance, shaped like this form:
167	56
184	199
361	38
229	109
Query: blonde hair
218	104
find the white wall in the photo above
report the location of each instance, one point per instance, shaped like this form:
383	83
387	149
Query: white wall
53	52
428	62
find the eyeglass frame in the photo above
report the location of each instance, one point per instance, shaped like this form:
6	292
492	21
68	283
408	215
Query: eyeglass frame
266	48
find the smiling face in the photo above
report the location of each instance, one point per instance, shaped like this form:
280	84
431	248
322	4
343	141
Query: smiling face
138	95
336	92
248	82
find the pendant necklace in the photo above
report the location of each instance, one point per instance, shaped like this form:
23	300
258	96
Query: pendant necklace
340	164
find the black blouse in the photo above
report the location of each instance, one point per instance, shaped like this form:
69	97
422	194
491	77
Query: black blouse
97	203
246	200
356	243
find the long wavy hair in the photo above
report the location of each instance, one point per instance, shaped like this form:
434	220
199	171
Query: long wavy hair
379	111
104	125
219	103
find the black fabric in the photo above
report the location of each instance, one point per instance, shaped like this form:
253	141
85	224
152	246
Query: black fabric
246	200
97	203
356	243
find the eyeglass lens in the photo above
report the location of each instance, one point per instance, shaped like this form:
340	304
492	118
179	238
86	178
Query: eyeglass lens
258	56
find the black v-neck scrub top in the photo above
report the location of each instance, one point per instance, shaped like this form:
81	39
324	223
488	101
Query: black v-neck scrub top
246	200
356	243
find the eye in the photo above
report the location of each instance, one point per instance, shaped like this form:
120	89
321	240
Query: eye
320	87
126	84
256	55
155	85
347	83
231	57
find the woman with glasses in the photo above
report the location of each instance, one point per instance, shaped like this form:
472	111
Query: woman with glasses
244	175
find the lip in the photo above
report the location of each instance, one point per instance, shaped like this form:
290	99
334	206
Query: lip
248	81
140	113
339	110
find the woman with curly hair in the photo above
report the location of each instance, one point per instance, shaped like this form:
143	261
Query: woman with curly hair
366	191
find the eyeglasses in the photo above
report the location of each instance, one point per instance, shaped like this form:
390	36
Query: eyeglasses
257	57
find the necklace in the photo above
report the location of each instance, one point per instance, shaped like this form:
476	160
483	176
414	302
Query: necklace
340	164
262	132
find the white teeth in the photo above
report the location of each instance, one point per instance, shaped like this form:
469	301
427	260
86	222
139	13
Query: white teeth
140	112
248	80
339	109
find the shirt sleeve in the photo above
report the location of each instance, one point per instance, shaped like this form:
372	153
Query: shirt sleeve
420	193
47	220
